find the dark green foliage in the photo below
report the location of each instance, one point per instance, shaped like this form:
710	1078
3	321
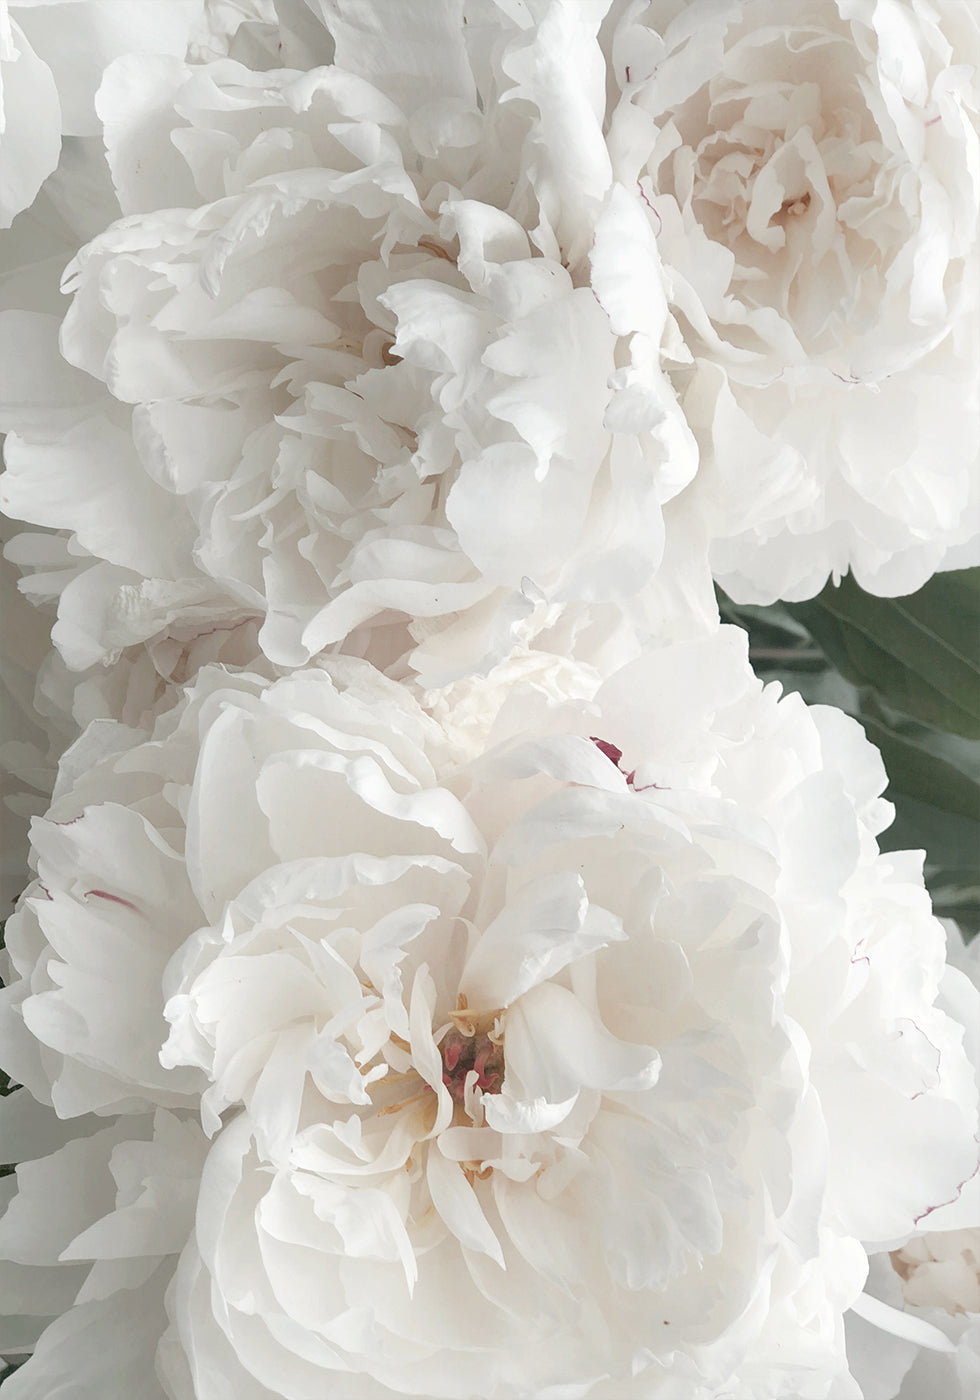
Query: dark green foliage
919	655
909	670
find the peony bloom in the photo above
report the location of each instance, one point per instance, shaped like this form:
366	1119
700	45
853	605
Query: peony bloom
52	58
587	1061
940	1284
925	1341
941	1269
340	370
812	177
916	1335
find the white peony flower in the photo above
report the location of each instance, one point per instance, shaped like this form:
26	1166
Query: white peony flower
925	1340
589	1065
93	1220
941	1270
73	41
344	372
916	1334
811	174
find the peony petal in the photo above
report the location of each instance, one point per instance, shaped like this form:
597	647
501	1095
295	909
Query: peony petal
432	61
59	1195
457	1204
549	926
31	114
85	37
556	1047
901	1324
103	1348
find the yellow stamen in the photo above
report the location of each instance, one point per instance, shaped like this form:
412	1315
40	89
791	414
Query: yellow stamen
473	1171
394	1076
435	248
403	1103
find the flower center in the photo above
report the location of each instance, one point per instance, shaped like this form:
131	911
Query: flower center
474	1043
462	1053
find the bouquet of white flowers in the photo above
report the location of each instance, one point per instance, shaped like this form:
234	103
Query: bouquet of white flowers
461	458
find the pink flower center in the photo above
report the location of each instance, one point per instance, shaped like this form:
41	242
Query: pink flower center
462	1053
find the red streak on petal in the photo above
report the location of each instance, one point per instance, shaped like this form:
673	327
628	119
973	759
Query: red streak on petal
939	1061
644	787
857	956
955	1196
115	898
660	222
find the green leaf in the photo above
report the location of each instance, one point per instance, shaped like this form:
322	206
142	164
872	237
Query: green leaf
919	654
769	626
934	771
915	770
952	847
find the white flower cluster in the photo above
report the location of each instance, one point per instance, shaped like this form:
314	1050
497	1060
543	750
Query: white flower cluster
444	968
